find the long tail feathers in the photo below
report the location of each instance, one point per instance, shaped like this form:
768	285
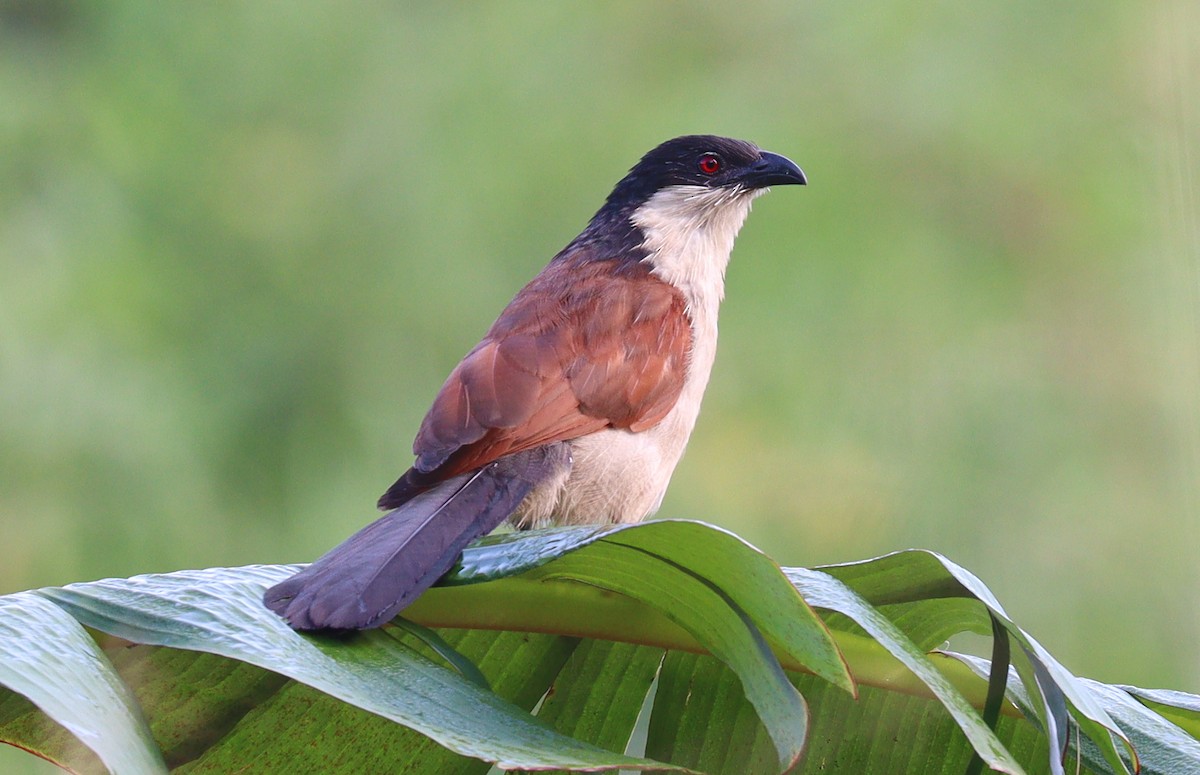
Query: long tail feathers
365	581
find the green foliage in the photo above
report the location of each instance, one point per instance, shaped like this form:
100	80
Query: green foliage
714	666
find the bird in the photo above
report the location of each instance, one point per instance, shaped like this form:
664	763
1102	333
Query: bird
577	404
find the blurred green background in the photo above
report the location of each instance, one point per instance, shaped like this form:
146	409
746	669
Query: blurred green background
241	245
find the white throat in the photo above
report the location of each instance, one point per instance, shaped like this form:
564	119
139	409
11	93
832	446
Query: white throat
689	233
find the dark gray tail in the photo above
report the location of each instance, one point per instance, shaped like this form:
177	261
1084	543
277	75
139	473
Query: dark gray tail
365	581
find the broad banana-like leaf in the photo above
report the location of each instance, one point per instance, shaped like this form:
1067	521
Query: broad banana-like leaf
669	645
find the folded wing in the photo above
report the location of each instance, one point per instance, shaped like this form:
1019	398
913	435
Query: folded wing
588	344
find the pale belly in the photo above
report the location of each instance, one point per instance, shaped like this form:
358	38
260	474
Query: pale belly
614	476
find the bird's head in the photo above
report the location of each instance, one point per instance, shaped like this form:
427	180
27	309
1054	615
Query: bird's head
680	208
696	164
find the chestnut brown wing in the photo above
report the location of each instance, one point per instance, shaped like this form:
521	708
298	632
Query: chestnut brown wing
587	345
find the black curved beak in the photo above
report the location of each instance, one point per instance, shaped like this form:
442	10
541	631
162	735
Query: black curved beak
771	169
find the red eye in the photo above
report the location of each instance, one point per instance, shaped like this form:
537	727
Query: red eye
709	164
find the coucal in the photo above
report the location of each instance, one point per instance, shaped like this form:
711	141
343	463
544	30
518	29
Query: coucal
578	402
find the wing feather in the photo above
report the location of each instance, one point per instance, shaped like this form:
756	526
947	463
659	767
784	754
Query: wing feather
588	344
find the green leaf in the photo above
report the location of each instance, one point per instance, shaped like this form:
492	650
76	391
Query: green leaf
438	645
49	658
743	573
220	611
301	729
1162	747
1180	707
1055	683
502	555
882	732
24	726
305	730
825	591
723	701
720	626
600	692
1188	704
697	695
753	582
916	575
899	577
711	583
887	732
191	699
